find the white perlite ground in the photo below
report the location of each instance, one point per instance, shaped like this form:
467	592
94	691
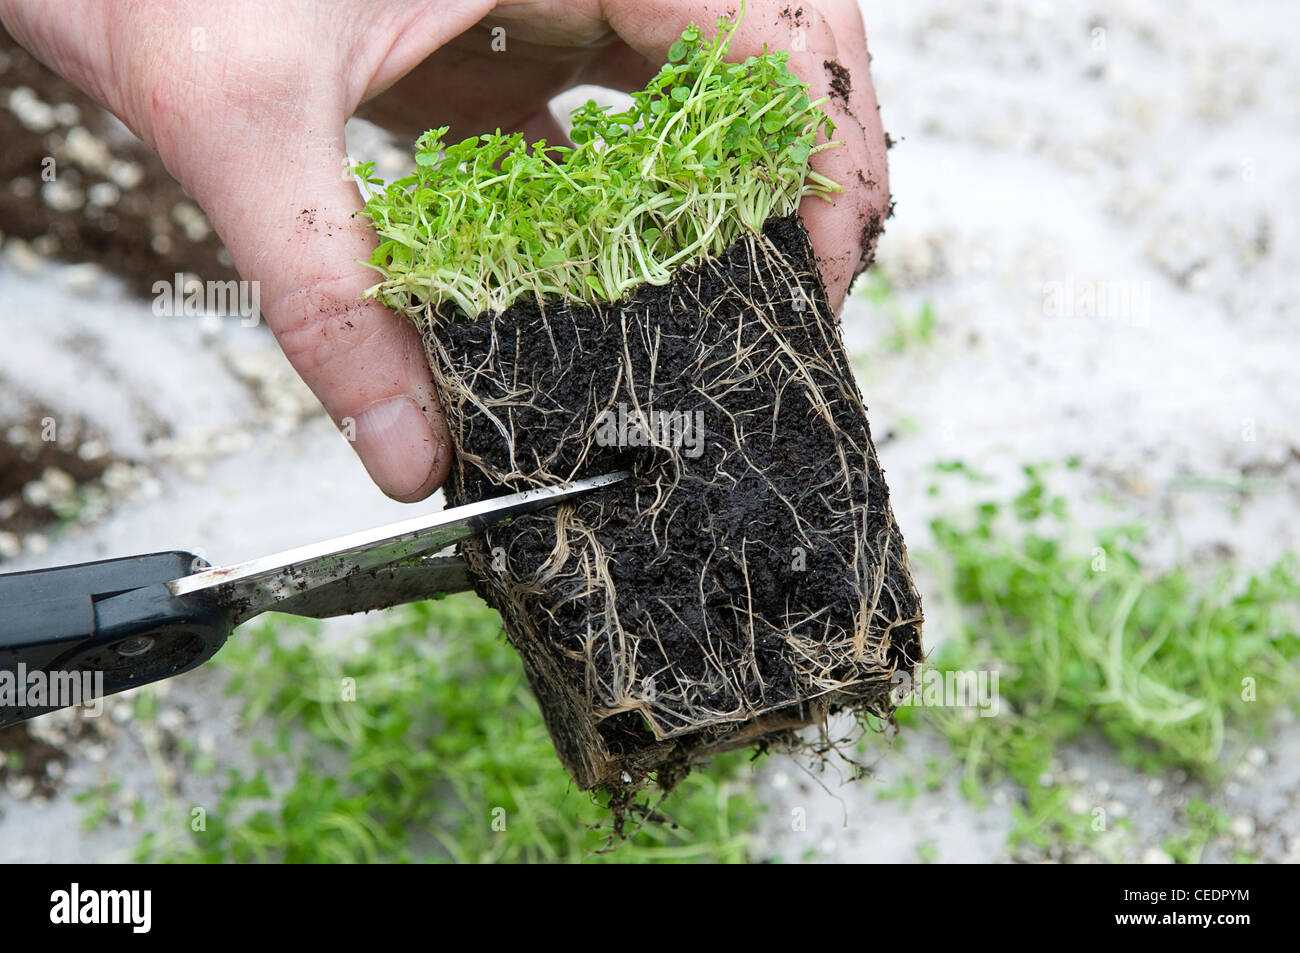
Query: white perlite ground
1153	161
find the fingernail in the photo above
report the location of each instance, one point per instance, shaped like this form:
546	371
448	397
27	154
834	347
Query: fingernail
397	446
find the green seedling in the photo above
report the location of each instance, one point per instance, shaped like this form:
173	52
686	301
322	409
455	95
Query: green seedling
1175	668
417	739
906	331
708	149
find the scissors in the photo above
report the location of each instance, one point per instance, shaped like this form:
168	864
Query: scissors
140	619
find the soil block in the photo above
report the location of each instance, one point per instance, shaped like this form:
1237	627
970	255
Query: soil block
750	578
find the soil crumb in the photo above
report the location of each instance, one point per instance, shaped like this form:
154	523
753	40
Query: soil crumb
841	84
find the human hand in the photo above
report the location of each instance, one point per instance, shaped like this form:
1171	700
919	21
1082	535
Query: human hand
245	102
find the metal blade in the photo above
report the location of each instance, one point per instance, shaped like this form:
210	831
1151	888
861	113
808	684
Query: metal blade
380	588
259	585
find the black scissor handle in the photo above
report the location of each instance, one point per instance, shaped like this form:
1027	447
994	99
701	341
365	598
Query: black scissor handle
114	620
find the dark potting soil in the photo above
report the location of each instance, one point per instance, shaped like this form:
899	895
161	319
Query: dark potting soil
28	451
841	82
760	577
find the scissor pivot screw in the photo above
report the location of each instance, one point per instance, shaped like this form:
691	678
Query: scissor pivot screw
129	648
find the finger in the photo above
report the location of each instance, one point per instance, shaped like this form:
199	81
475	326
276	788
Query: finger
283	204
844	232
472	88
622	68
543	125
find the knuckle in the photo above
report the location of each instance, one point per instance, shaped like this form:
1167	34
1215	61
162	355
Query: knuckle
323	326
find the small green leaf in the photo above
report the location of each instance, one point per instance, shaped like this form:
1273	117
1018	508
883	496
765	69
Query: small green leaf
485	221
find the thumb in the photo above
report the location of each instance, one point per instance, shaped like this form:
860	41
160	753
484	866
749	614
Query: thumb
290	227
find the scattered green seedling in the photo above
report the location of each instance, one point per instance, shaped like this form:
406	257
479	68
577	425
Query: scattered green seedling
708	150
903	791
1205	822
1232	486
876	288
1174	673
1236	490
906	330
418	739
97	804
907	426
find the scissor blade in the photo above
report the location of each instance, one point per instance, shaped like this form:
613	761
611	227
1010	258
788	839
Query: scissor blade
380	588
258	585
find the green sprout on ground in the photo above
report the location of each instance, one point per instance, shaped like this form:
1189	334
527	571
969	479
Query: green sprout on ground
1204	823
906	330
418	739
707	151
927	852
1175	671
